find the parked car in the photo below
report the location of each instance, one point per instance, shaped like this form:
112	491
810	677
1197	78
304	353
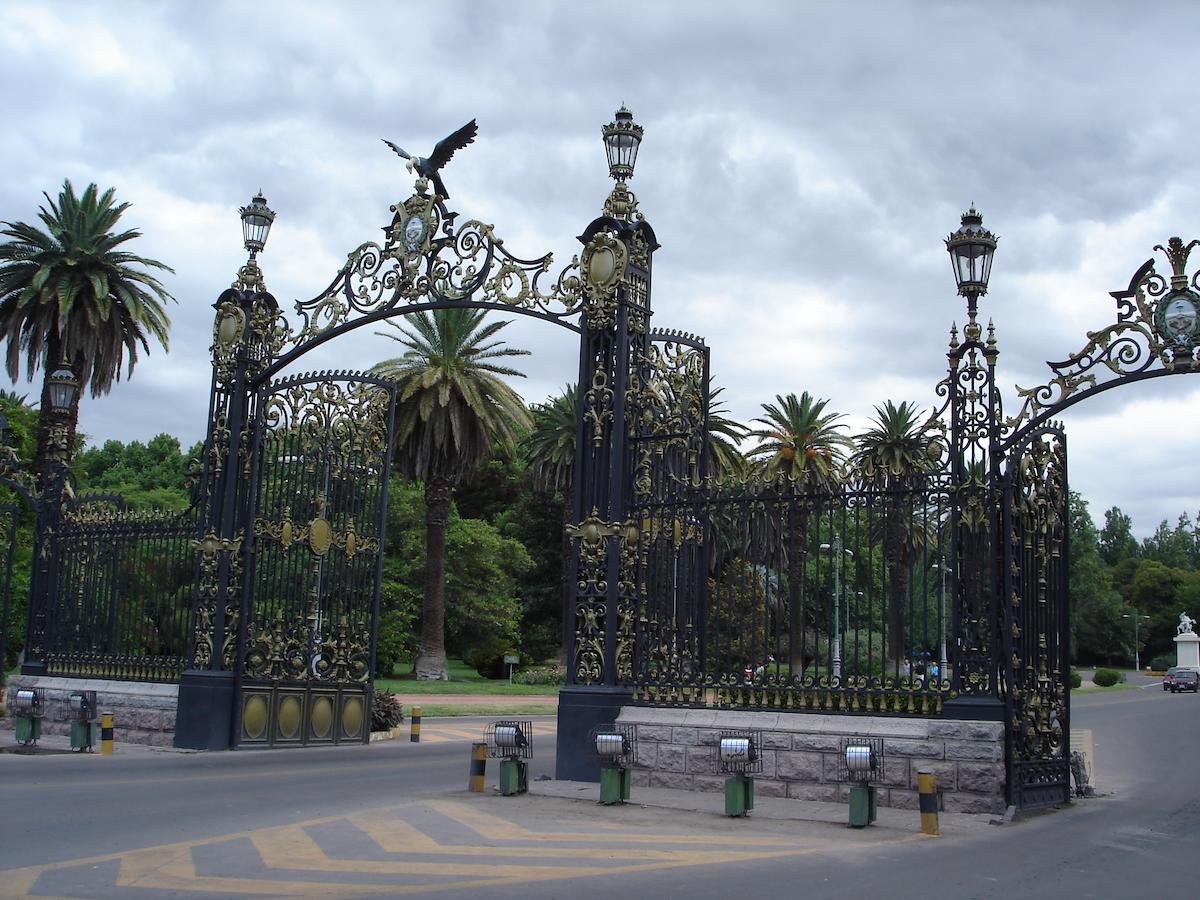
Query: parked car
1186	680
1169	677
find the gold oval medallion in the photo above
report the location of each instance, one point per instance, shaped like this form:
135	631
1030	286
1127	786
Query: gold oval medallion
351	542
320	536
254	718
285	534
288	719
230	326
352	717
602	267
321	719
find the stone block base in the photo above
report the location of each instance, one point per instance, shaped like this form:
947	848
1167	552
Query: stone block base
800	755
143	713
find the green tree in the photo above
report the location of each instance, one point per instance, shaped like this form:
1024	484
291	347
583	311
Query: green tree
1097	629
71	295
801	443
452	412
146	476
549	449
1117	542
482	587
1175	547
894	455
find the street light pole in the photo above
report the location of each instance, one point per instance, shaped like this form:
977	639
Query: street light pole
940	565
837	600
1137	644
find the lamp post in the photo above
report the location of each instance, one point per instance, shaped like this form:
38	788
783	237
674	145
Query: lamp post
836	547
622	137
1137	649
940	567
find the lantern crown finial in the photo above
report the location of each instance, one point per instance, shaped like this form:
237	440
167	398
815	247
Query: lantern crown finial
971	248
622	136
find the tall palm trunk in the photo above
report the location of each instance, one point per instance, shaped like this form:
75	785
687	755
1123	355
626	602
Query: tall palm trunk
431	662
797	526
897	580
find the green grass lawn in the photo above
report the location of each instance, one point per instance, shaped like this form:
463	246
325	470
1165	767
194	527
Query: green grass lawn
429	711
463	680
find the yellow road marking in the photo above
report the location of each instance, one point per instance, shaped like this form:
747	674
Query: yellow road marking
493	828
291	847
394	835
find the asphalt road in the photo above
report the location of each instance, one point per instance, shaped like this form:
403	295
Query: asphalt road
393	818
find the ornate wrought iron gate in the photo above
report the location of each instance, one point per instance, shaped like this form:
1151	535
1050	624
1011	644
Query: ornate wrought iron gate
310	606
1035	527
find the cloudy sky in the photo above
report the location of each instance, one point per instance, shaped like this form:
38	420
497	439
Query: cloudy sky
802	163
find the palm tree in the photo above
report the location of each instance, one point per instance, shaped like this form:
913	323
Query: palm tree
724	435
69	295
452	411
549	448
894	454
799	442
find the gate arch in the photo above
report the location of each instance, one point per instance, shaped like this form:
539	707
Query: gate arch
427	260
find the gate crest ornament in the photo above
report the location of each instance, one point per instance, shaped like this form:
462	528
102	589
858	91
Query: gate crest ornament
1157	332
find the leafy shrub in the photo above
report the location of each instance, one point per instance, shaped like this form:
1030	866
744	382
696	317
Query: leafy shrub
1107	677
1076	678
554	674
487	656
1162	663
386	712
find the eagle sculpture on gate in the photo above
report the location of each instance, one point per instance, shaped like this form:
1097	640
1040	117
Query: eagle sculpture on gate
427	167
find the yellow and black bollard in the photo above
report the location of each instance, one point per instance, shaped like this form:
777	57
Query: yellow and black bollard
414	734
106	734
927	797
478	767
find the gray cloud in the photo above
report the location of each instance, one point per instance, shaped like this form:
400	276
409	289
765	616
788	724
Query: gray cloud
800	166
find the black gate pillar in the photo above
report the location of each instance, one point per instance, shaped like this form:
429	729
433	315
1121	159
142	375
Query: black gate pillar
615	271
242	347
975	419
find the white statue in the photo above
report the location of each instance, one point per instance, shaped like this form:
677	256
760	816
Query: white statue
1185	624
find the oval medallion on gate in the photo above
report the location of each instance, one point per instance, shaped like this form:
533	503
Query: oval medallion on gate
288	719
352	717
321	720
320	536
254	718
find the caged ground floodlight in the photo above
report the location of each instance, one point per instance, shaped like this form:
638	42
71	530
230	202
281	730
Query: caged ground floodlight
27	711
81	709
739	755
616	748
511	741
861	762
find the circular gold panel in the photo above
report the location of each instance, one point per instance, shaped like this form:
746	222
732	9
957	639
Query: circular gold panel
254	718
352	716
321	718
288	719
320	536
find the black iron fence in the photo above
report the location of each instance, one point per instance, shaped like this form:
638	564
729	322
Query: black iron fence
771	594
120	600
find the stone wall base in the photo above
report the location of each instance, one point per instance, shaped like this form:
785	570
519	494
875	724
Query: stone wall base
143	713
800	754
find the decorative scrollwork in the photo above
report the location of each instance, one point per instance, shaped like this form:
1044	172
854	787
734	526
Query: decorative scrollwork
427	258
1157	326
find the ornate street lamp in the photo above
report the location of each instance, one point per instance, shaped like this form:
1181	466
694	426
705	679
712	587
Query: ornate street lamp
256	223
622	137
64	388
971	249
